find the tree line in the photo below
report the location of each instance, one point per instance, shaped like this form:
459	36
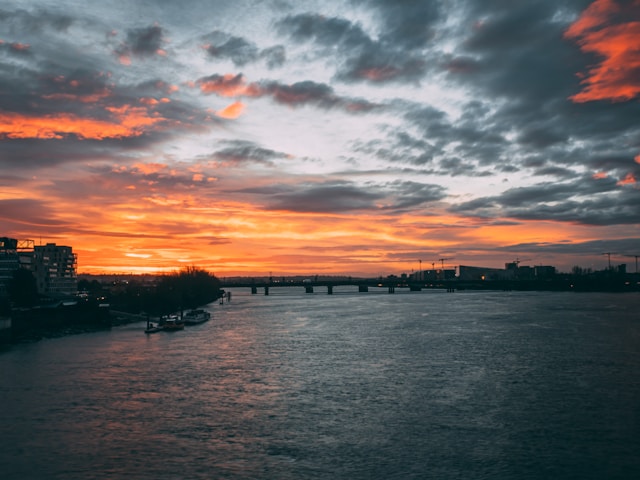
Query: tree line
188	288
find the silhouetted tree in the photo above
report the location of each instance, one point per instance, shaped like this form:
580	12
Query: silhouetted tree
92	286
188	288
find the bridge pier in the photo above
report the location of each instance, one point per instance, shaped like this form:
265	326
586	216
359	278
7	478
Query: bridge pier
308	289
329	289
363	288
254	290
266	290
392	289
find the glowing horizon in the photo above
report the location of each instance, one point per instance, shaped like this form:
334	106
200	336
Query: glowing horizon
355	138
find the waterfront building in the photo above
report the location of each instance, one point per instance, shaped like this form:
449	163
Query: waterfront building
55	268
14	254
543	272
468	273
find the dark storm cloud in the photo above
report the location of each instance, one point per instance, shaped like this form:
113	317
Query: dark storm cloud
623	249
242	151
324	31
540	137
142	42
441	146
344	196
325	198
408	24
359	57
585	200
294	95
408	195
236	49
221	45
514	59
320	94
516	53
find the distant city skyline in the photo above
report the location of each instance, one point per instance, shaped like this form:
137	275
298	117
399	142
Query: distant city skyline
356	137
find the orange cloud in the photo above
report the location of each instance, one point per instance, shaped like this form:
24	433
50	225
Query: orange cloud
149	101
628	180
232	111
228	85
149	168
610	30
127	122
599	175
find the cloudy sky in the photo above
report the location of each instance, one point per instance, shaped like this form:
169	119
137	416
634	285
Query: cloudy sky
317	137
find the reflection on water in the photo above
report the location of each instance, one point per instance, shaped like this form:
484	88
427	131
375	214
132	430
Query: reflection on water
410	385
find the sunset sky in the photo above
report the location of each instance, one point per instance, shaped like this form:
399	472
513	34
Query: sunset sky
353	137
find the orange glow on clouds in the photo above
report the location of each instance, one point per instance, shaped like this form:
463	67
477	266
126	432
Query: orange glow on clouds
149	168
159	228
617	44
232	111
629	179
157	231
229	85
127	122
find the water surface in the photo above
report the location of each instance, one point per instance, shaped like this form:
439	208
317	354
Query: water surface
509	385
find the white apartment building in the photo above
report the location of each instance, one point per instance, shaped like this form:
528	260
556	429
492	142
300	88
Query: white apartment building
55	268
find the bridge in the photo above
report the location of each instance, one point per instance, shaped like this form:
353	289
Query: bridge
363	284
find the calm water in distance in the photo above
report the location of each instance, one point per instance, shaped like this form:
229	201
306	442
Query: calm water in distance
465	385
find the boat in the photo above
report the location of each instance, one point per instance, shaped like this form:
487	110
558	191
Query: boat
194	317
153	328
172	323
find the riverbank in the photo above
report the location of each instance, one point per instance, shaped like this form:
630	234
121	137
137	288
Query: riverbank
26	325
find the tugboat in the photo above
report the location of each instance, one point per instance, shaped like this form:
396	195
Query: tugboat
172	323
194	317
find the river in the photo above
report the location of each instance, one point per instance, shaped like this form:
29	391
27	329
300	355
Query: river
465	385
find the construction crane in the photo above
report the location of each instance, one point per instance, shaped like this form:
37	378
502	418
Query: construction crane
517	261
441	260
636	257
608	254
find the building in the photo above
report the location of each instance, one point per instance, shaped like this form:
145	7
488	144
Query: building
55	269
14	254
468	273
544	272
